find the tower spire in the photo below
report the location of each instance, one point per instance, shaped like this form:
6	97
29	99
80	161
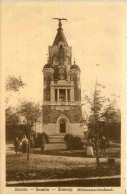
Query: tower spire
74	60
60	36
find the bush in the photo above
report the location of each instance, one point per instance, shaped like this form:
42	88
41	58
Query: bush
68	137
39	139
73	142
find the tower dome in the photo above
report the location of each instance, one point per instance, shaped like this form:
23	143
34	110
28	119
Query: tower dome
74	66
48	65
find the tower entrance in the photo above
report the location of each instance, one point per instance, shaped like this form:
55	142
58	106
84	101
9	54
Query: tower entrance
62	126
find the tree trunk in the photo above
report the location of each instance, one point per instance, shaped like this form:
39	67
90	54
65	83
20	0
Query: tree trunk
97	153
29	134
28	152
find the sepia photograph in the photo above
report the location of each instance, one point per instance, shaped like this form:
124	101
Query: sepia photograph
63	69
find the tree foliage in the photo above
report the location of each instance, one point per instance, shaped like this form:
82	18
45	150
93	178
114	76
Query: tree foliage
31	112
14	83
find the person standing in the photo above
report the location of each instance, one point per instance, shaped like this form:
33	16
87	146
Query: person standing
103	144
93	143
24	144
90	148
16	144
43	142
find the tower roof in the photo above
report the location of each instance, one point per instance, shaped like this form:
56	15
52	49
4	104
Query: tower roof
60	35
48	65
74	66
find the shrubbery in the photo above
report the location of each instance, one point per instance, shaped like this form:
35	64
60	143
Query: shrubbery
73	142
39	139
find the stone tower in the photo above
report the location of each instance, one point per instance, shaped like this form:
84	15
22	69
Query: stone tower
62	111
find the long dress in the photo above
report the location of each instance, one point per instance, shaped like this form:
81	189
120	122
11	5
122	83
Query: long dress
90	150
16	144
24	145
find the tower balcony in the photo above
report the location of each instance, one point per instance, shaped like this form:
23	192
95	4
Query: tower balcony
62	103
62	83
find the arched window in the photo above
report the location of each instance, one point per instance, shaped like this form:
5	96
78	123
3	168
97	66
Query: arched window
54	59
61	55
67	60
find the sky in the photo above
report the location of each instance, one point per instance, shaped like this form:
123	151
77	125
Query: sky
94	30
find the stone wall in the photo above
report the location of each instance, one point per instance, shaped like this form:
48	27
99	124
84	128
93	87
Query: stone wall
74	114
53	129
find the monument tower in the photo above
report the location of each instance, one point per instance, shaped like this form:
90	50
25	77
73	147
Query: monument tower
62	111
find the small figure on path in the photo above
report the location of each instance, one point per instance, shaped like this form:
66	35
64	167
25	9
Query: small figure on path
103	144
24	144
16	144
93	143
43	142
90	148
107	143
20	147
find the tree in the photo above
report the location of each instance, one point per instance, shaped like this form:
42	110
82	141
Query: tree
113	126
14	83
31	112
12	86
100	109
